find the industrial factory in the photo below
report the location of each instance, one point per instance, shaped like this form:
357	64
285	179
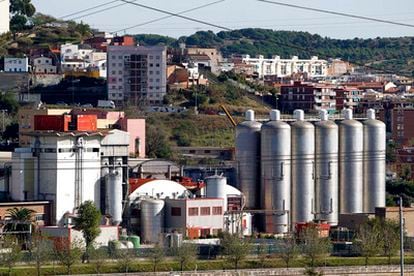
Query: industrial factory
310	170
288	173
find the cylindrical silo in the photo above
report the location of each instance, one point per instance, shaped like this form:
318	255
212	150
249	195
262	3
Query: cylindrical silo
114	192
374	163
276	173
326	169
350	165
247	158
303	169
152	220
216	188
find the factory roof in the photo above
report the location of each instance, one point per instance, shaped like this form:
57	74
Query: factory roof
66	133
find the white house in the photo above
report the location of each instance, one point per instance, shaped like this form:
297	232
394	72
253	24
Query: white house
4	16
276	66
44	65
12	64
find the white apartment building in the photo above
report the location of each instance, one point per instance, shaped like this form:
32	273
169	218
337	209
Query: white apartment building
44	65
137	74
19	65
4	16
276	66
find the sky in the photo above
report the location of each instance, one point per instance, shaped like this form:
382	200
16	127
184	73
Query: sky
237	14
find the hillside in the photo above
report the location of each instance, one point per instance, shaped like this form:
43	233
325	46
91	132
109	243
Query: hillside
389	54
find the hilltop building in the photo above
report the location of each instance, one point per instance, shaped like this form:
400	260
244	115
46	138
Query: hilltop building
276	66
137	74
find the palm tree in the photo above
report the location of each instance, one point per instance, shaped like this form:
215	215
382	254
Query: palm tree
21	218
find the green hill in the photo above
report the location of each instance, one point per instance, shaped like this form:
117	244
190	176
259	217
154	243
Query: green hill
393	55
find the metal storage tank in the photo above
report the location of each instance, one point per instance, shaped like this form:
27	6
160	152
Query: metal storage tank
374	163
216	188
326	169
247	158
276	172
152	220
114	192
303	169
350	165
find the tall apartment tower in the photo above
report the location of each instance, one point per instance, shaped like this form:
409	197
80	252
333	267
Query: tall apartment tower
137	75
4	16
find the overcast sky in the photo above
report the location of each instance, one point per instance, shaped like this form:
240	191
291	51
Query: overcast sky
238	14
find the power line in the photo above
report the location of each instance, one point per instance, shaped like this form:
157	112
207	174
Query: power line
88	9
338	13
277	42
168	16
178	15
99	11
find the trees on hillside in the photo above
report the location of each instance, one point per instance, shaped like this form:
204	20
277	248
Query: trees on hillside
22	11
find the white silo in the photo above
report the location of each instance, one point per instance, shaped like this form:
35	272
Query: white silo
114	192
247	158
326	169
350	165
303	171
152	220
216	188
374	163
276	173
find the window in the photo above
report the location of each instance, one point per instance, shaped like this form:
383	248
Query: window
217	210
157	65
176	211
151	65
205	211
40	217
157	57
193	211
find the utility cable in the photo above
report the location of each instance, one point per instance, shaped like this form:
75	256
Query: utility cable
337	13
88	9
168	16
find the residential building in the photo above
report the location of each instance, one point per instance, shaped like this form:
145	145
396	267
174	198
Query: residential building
348	97
209	57
338	67
196	217
309	97
4	16
400	123
44	65
137	75
19	65
312	68
125	40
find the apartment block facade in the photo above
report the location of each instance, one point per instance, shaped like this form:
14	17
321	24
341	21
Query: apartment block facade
308	97
137	75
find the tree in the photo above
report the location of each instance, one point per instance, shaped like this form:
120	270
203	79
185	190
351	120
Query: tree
157	256
13	254
21	218
262	253
98	258
88	220
235	249
289	250
390	236
185	254
367	240
157	144
68	253
40	251
314	246
124	260
21	11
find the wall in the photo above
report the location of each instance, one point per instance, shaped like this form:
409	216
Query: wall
136	129
16	65
393	214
